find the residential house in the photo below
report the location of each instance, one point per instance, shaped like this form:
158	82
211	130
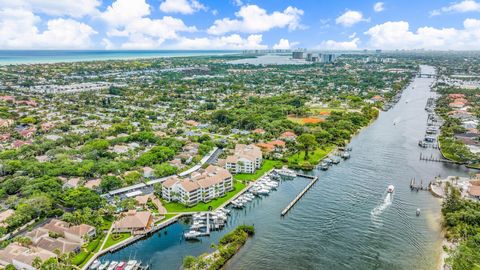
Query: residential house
135	222
148	172
4	215
22	257
93	184
288	136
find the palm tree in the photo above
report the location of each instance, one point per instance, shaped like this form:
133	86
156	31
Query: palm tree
37	262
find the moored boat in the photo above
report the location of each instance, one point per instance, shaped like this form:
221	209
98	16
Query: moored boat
104	265
95	265
192	234
112	265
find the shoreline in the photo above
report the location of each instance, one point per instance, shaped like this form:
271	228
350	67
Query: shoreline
51	59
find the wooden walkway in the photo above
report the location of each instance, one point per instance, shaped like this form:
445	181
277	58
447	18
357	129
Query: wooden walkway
300	195
434	159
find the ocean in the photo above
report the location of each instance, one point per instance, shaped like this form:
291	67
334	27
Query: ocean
13	57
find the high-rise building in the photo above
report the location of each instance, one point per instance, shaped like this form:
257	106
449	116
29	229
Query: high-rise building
328	57
297	55
309	56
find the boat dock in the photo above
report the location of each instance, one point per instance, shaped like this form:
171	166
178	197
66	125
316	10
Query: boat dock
435	159
300	195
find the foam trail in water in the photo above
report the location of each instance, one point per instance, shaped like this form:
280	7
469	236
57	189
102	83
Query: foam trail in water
387	201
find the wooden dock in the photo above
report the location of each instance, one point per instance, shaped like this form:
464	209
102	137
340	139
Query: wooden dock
300	195
435	159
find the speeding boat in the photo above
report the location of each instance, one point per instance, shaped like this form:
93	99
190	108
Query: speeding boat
390	189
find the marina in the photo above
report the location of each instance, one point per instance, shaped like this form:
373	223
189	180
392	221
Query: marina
337	213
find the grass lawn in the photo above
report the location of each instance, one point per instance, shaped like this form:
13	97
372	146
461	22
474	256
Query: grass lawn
178	207
107	223
313	157
319	110
266	166
93	247
116	238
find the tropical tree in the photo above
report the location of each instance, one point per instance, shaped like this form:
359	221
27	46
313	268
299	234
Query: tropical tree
306	142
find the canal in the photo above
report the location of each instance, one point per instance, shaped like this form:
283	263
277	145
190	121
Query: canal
345	221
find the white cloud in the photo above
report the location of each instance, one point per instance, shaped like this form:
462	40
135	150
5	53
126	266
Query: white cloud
350	18
18	29
129	18
253	19
76	8
238	2
397	35
284	44
460	7
231	42
122	12
181	6
378	7
339	45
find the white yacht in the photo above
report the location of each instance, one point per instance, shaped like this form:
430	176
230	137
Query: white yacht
192	234
95	264
104	265
131	265
112	265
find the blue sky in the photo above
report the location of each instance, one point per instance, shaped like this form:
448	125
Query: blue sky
239	24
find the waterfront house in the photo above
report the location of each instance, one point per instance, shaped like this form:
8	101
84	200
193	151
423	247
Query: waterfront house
245	159
22	257
203	185
135	222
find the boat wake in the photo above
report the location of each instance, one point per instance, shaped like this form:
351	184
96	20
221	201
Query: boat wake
377	211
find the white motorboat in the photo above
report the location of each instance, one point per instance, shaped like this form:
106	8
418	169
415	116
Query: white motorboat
286	172
390	188
192	234
224	210
263	191
104	265
418	212
112	265
95	264
131	265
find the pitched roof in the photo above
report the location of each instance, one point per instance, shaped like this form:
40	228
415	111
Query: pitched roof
134	220
51	244
14	251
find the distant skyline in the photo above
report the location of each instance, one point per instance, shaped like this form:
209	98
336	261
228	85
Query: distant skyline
239	24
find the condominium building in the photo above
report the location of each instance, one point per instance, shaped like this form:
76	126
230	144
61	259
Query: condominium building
201	186
245	159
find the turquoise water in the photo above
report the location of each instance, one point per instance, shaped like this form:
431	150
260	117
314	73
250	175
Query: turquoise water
346	220
9	57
